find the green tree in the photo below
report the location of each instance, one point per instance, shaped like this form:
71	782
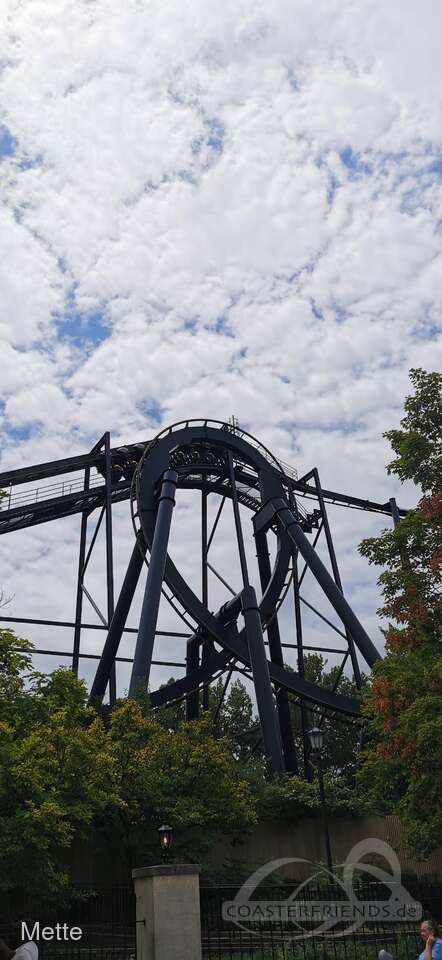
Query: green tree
402	771
15	671
171	715
236	720
292	797
54	771
170	775
67	772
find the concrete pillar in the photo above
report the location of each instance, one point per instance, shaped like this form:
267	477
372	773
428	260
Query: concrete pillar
168	912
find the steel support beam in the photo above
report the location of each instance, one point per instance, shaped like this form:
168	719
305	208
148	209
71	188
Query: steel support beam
237	518
257	652
192	664
343	499
193	645
94	537
95	607
80	575
118	622
338	601
208	646
212	533
261	678
395	512
336	573
109	558
96	656
95	626
149	613
308	773
323	618
222	697
275	649
318	534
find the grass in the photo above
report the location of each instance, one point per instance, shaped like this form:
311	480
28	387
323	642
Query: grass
402	949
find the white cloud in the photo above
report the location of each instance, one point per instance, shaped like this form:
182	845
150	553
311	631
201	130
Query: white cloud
26	305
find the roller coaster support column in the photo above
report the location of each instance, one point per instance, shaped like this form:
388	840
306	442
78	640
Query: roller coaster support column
394	511
331	590
192	663
264	697
152	594
336	574
208	647
257	652
308	772
193	645
81	559
119	619
109	559
275	649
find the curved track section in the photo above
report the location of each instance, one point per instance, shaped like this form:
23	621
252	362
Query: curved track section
198	454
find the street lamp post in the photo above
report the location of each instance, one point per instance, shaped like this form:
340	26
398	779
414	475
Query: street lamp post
316	737
165	836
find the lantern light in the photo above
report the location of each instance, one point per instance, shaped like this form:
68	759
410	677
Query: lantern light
166	836
316	737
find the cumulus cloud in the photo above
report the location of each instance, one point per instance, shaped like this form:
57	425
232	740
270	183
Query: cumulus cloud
210	210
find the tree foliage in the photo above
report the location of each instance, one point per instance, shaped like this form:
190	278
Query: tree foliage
170	775
66	771
110	776
403	769
54	772
237	720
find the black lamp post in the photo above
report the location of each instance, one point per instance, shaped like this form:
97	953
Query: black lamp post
166	836
316	737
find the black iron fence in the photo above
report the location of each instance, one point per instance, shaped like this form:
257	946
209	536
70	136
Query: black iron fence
100	941
108	923
85	905
281	939
105	916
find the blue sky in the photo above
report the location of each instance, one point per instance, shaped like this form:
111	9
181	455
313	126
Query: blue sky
7	143
212	210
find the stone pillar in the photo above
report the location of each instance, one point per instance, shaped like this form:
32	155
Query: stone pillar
168	912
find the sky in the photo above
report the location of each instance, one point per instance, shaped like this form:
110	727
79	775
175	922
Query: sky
212	209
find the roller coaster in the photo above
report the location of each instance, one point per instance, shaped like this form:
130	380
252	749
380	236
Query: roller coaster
226	464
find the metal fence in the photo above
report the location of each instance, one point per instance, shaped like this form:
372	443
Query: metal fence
106	917
98	942
279	940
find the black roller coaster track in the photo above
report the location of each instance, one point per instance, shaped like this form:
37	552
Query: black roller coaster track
217	459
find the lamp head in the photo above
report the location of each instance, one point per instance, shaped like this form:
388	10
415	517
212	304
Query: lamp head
166	836
316	737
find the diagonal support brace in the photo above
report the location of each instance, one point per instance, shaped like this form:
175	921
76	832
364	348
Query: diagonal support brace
276	656
152	594
261	678
118	621
293	530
